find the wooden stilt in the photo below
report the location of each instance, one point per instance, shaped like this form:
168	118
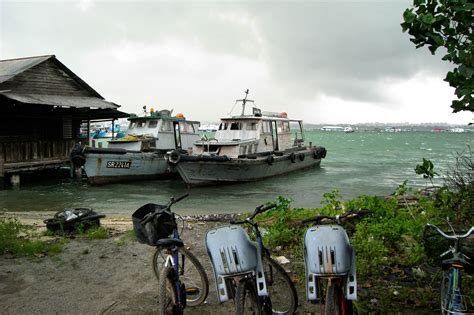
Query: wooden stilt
15	180
2	174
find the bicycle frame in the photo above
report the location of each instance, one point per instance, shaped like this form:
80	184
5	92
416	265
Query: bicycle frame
455	301
172	260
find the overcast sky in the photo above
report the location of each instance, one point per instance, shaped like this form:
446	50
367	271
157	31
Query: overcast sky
321	61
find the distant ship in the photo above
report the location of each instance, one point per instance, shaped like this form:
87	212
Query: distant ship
332	128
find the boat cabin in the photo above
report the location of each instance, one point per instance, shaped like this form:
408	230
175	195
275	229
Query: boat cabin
158	131
259	133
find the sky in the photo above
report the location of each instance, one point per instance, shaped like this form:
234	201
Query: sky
326	62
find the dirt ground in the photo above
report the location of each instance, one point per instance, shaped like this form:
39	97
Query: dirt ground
101	276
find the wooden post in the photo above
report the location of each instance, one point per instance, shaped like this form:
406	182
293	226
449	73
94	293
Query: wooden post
15	180
2	174
89	140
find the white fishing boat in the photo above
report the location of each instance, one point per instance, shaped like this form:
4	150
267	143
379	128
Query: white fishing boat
247	148
140	154
348	129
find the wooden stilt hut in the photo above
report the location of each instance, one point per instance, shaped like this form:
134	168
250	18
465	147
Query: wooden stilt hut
42	106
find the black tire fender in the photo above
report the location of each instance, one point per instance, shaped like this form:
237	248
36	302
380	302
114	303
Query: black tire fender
301	157
320	153
270	159
174	157
293	157
79	159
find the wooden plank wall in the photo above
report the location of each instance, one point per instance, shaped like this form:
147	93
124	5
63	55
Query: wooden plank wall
35	151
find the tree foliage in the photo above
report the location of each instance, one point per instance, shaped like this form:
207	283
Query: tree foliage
448	24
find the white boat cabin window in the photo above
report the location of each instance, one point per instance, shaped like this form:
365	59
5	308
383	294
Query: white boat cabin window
223	126
236	126
141	124
279	126
266	127
297	131
165	126
132	125
186	127
251	126
153	124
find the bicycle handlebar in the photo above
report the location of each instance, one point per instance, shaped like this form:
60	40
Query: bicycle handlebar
339	218
172	201
451	237
258	210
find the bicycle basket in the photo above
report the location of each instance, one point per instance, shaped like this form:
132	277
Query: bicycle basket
160	227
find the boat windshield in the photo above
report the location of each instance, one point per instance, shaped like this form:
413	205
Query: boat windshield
238	125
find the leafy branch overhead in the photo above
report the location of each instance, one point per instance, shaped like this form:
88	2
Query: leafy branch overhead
448	24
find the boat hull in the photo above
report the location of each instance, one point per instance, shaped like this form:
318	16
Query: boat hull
104	168
207	172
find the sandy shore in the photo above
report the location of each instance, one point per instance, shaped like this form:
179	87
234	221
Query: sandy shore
99	276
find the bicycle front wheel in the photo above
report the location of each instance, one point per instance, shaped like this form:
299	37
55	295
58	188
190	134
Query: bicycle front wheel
445	292
191	273
281	289
331	307
246	298
167	297
335	302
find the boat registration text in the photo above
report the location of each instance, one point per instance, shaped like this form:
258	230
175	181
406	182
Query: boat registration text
118	164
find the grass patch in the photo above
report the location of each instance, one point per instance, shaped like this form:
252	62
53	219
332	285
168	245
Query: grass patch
21	240
98	232
125	238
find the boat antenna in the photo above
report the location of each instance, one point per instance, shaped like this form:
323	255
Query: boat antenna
244	101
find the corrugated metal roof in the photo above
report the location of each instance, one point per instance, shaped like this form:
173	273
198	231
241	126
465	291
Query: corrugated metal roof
59	100
12	67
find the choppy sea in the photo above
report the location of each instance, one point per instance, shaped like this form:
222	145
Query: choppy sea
372	163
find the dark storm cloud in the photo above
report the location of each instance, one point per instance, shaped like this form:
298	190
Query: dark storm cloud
341	49
294	50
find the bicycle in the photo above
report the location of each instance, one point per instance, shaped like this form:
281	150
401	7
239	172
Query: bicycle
181	277
453	301
245	272
330	263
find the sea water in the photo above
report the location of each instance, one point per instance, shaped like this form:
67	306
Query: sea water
372	163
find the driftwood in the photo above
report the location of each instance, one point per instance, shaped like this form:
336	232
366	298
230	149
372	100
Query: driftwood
222	217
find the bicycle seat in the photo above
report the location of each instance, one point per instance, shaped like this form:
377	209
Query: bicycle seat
455	261
168	242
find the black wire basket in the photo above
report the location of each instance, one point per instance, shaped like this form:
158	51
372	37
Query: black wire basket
160	227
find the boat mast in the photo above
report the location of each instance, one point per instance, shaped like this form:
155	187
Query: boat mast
244	101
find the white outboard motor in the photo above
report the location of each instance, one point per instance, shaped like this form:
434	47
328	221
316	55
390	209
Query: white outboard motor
232	254
328	254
